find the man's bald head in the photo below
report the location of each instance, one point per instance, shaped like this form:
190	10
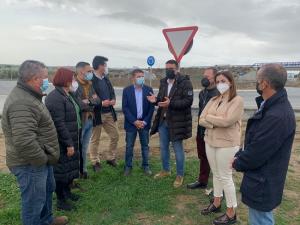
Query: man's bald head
274	74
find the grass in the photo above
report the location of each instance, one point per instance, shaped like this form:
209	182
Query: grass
111	198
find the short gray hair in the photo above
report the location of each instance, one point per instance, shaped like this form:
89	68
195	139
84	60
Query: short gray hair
275	74
29	69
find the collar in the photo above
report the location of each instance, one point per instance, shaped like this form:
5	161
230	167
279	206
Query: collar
138	88
170	82
30	90
279	95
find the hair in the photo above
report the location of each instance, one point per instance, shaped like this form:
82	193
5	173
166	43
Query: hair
213	69
62	77
99	60
29	69
229	76
275	74
135	71
172	61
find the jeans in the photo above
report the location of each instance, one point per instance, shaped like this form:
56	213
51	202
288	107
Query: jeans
259	217
36	186
85	140
164	141
144	141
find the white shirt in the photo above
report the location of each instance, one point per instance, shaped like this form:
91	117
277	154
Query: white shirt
170	85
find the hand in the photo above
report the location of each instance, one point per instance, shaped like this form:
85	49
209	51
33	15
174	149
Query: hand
164	104
151	98
85	101
113	102
231	163
106	103
95	96
70	151
139	124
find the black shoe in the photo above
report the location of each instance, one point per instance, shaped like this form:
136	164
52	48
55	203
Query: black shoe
97	167
211	209
225	220
84	175
73	197
64	205
147	171
127	171
197	185
112	163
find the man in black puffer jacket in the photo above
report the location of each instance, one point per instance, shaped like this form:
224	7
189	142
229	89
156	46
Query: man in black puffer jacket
173	120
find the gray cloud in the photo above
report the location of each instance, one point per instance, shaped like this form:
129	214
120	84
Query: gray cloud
137	18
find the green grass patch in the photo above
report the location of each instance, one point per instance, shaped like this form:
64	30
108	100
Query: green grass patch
111	198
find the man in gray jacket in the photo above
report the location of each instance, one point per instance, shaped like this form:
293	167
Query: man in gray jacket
31	144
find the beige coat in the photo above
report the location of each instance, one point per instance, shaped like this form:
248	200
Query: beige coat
223	121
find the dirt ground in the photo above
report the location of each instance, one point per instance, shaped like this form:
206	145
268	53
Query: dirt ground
189	145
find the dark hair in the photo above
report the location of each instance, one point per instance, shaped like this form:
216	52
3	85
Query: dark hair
29	69
275	74
135	71
172	61
229	76
99	60
213	69
62	77
81	65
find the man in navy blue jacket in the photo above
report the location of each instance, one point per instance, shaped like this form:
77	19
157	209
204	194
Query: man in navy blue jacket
267	148
138	113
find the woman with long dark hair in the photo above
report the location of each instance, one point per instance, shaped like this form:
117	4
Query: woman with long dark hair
222	118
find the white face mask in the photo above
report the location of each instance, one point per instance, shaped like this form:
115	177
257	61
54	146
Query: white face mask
223	87
74	86
106	71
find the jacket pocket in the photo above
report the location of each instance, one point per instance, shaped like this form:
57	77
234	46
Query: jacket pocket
253	187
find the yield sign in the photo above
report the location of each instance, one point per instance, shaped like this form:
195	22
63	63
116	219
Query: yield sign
179	40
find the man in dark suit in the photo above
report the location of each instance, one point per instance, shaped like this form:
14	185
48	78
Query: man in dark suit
138	113
267	148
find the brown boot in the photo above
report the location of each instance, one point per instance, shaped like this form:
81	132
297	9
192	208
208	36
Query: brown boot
60	220
178	181
162	174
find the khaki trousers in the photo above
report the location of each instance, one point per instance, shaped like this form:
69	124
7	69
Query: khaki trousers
97	152
219	160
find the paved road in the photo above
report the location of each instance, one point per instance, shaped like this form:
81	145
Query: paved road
248	95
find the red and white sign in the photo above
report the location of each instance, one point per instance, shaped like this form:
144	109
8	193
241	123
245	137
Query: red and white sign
179	40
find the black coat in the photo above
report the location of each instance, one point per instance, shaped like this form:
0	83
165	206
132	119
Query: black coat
265	158
97	108
178	114
64	116
204	96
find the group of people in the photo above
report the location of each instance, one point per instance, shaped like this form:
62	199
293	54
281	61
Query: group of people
47	144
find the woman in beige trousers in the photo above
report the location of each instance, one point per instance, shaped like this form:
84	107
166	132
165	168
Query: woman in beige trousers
222	117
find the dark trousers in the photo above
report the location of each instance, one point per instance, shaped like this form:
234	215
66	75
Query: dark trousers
204	165
62	190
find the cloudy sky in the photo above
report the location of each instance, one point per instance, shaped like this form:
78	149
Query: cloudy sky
63	32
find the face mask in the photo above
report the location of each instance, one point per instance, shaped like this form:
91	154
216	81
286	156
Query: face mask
45	85
140	81
205	82
88	76
74	86
223	87
170	74
106	71
258	90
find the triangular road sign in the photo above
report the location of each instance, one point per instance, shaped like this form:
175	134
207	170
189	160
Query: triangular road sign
179	40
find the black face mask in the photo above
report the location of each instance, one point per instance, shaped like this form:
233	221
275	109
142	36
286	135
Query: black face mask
257	89
205	82
170	74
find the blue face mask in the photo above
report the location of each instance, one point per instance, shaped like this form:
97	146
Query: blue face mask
140	81
89	76
45	85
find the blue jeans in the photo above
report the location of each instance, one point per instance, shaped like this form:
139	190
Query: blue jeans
36	185
85	140
144	141
164	142
258	217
